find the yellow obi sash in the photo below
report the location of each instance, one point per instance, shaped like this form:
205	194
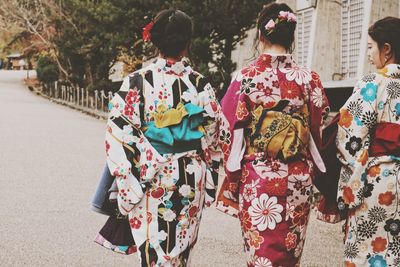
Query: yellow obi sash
277	134
177	129
165	117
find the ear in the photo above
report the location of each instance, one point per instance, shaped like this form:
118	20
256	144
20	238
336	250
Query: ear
261	37
387	49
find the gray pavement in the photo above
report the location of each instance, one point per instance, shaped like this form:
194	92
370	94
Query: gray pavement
50	161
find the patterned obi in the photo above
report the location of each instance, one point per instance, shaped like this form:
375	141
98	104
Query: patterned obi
176	130
277	134
386	140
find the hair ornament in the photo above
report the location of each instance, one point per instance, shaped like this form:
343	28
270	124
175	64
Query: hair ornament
284	16
146	31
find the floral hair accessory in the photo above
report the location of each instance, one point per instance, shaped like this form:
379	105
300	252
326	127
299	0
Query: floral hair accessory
146	31
284	16
270	25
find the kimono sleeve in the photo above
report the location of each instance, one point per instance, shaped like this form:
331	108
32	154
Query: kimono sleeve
235	108
215	123
318	107
123	145
228	197
357	118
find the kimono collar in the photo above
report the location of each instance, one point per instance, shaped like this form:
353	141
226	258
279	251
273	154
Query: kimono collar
178	68
391	70
275	61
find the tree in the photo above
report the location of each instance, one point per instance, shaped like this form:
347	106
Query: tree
87	37
34	19
219	26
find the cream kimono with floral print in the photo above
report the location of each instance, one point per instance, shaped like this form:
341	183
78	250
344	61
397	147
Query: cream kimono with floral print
163	195
369	187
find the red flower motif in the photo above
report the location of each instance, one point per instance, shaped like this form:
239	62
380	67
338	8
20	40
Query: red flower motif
245	220
386	198
149	154
260	86
290	90
264	61
276	186
275	84
297	168
128	111
146	31
143	170
132	97
316	79
290	241
300	214
107	147
275	167
348	195
267	91
157	192
135	223
379	244
214	106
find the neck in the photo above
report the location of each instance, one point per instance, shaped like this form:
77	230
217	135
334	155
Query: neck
174	59
178	58
390	61
274	49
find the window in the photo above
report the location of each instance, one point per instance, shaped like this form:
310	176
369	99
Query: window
303	36
352	19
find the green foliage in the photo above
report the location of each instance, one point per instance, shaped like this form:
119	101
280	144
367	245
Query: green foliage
47	70
218	26
98	31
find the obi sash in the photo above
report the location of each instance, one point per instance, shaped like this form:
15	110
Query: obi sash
176	130
277	134
386	140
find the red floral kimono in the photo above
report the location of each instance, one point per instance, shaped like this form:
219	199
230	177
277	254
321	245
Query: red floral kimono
276	110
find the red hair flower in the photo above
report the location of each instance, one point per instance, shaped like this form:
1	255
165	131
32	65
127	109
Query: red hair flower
146	31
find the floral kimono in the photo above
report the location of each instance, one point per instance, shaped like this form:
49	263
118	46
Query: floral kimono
368	142
273	107
162	145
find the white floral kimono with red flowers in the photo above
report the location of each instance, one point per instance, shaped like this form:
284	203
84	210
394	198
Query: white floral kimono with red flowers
163	195
269	182
369	184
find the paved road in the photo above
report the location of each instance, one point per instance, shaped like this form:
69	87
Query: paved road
50	159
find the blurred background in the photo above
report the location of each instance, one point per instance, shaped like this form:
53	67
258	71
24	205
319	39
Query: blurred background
92	44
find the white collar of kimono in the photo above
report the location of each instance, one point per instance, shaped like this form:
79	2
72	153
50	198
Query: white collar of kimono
276	60
176	67
392	70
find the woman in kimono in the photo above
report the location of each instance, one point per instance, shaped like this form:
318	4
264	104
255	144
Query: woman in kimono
368	143
162	146
275	110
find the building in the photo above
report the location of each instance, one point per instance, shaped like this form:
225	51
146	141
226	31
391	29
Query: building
331	38
16	61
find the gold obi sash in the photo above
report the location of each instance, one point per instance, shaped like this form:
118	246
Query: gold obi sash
277	134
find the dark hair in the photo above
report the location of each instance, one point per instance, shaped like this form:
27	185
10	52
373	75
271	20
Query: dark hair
387	30
171	32
283	34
